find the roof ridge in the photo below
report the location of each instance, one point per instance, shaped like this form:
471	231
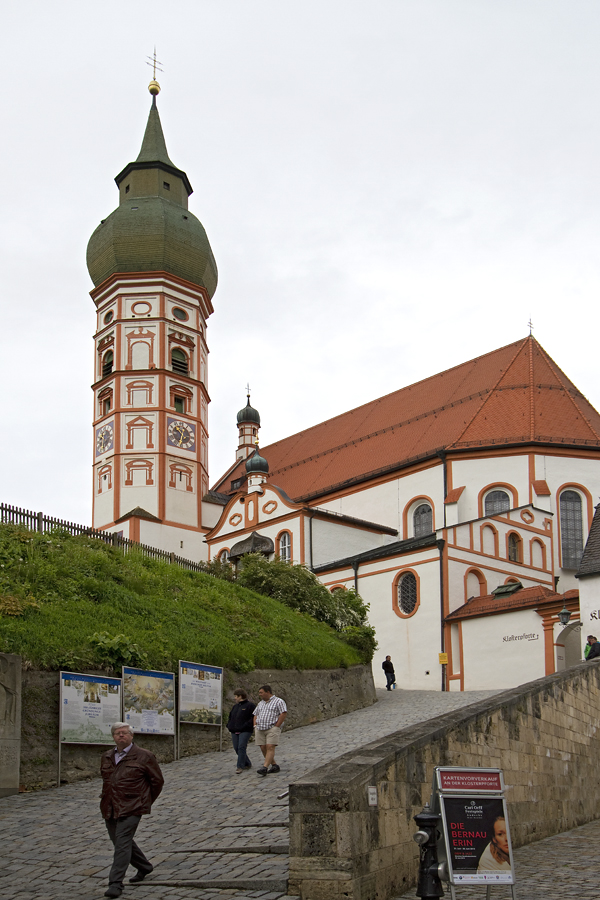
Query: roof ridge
406	387
490	393
558	372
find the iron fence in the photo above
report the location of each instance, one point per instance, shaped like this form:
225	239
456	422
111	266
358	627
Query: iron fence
40	522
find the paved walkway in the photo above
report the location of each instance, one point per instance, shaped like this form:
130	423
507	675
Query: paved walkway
215	835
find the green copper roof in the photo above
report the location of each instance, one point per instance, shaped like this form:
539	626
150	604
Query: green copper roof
154	148
152	229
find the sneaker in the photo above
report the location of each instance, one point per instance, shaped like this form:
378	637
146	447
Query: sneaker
238	771
262	771
272	770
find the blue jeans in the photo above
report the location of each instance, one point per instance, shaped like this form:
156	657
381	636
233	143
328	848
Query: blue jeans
240	742
390	680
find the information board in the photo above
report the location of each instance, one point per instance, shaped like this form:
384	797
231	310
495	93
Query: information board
476	834
89	705
200	694
149	701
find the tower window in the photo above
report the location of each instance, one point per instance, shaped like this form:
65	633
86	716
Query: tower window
166	186
179	405
127	189
180	313
106	406
179	361
108	317
107	363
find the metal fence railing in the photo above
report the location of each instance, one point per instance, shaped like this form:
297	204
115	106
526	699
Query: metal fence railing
38	521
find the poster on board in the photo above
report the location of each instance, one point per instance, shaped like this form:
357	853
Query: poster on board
89	705
200	694
477	839
149	701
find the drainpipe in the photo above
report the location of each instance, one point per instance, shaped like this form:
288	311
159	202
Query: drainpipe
310	542
440	545
355	566
442	456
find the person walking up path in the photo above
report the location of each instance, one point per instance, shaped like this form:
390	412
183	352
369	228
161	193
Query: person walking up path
240	725
269	717
388	667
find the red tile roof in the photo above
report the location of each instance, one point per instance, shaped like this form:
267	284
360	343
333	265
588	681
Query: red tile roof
453	496
514	395
527	598
541	488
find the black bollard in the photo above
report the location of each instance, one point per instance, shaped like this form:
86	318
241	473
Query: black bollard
429	886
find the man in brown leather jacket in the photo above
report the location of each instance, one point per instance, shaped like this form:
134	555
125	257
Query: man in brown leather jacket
132	781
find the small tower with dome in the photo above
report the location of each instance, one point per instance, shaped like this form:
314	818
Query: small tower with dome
257	469
248	422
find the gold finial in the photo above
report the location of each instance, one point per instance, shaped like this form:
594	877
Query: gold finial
154	86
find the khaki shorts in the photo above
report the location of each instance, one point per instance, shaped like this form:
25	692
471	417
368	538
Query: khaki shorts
271	736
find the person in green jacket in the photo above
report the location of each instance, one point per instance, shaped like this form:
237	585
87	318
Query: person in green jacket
590	640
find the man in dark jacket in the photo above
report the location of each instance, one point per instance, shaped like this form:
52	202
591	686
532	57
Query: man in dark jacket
240	724
388	668
132	781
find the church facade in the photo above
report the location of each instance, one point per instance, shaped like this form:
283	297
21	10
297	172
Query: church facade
426	500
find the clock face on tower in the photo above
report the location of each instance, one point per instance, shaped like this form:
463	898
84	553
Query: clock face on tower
180	434
105	436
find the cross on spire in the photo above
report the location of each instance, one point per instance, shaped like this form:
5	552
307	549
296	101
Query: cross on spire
248	391
155	63
530	325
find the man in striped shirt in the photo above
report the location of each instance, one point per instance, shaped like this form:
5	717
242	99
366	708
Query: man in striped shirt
269	716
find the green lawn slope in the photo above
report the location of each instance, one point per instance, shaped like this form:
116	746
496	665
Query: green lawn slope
74	602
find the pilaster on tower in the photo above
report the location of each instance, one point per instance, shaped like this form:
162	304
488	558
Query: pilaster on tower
154	275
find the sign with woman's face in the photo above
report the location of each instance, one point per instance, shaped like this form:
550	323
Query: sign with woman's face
477	838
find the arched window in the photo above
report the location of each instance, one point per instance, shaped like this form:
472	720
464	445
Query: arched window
107	363
224	556
285	546
514	547
407	593
179	361
423	520
496	502
571	529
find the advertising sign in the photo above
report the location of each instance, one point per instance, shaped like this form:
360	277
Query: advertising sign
480	780
200	694
89	705
149	701
477	839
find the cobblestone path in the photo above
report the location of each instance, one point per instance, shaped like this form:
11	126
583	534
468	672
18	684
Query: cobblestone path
215	835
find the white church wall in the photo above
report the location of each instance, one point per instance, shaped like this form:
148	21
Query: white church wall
103	508
183	542
378	503
502	651
181	506
477	474
145	496
333	540
211	512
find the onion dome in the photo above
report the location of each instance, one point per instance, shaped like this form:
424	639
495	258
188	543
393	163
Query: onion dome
152	230
257	463
248	414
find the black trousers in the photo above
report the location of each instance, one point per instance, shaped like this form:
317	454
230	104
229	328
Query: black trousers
121	832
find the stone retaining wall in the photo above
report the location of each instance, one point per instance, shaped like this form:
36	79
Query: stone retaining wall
311	695
544	735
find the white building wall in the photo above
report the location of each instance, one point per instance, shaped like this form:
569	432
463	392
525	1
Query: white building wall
477	474
180	541
589	607
336	540
503	651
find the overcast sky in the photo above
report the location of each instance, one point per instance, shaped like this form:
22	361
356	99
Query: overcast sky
390	188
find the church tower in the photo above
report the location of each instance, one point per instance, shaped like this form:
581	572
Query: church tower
154	275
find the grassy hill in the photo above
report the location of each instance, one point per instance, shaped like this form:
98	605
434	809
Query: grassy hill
74	602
